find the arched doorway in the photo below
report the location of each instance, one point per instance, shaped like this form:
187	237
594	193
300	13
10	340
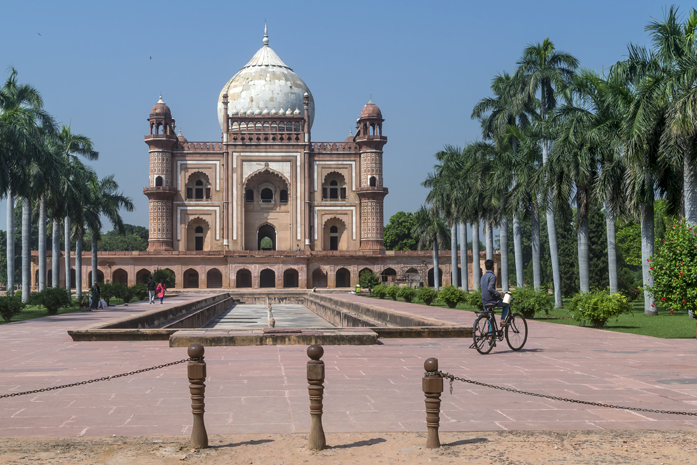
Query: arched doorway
100	277
214	279
319	278
174	275
290	278
267	278
266	231
191	279
343	278
243	278
142	276
334	235
431	282
198	235
363	271
389	275
413	277
119	276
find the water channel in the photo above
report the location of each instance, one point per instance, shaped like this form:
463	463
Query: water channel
248	316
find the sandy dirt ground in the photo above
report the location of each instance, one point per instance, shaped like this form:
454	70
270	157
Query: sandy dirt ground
506	448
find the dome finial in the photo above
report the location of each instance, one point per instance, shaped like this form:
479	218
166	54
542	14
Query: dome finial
160	101
371	100
266	34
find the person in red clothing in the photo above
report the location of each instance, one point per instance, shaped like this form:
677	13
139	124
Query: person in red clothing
161	289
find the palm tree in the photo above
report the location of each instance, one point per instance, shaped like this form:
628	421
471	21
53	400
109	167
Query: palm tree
104	200
21	117
544	69
508	107
676	50
430	230
70	145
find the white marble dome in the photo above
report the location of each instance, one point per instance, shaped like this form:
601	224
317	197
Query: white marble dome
265	83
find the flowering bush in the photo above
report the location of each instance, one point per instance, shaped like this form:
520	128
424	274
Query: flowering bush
674	269
596	307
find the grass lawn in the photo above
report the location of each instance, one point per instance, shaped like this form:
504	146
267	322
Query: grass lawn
664	325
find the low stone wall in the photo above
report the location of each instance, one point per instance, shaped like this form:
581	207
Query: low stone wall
159	318
200	317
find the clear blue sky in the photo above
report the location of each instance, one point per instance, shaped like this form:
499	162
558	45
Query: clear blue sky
101	66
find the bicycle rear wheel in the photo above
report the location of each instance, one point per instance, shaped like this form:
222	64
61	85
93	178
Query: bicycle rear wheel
516	331
481	333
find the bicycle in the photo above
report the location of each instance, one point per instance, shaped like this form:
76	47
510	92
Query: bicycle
485	331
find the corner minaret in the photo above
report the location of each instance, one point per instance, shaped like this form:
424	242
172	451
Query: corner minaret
161	188
370	142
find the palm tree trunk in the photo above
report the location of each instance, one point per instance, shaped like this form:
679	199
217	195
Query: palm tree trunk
436	266
535	228
26	249
476	268
690	188
583	254
518	252
553	246
10	243
647	238
611	247
42	243
503	240
78	266
489	231
453	253
56	254
66	227
93	258
463	257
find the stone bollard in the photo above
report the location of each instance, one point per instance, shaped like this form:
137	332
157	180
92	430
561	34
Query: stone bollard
197	375
315	379
432	387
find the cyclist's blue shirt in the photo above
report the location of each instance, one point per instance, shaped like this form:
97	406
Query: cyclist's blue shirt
488	287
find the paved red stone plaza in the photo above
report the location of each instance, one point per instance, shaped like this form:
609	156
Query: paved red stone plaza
368	388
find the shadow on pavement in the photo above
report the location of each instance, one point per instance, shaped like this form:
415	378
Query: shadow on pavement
253	442
368	442
467	441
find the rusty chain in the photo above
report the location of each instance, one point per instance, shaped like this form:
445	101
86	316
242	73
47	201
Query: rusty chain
96	380
562	399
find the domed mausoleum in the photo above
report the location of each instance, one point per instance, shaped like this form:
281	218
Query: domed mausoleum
265	206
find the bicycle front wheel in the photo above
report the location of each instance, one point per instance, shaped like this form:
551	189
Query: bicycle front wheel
516	331
482	335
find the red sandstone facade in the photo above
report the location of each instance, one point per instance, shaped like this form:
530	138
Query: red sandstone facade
318	206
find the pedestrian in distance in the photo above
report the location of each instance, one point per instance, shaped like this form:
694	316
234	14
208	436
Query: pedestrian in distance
152	287
161	289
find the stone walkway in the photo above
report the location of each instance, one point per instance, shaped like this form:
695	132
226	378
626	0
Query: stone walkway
368	388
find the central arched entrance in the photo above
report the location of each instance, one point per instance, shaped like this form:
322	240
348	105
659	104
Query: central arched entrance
266	231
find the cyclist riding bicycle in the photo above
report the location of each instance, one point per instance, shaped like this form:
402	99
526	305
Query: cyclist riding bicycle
490	296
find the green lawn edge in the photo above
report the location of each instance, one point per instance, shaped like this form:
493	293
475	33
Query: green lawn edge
664	325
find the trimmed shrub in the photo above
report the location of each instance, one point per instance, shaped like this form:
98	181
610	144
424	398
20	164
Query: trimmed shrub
106	292
392	292
123	292
451	296
473	298
140	291
427	295
166	276
406	293
10	306
529	302
596	307
52	298
379	291
368	280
